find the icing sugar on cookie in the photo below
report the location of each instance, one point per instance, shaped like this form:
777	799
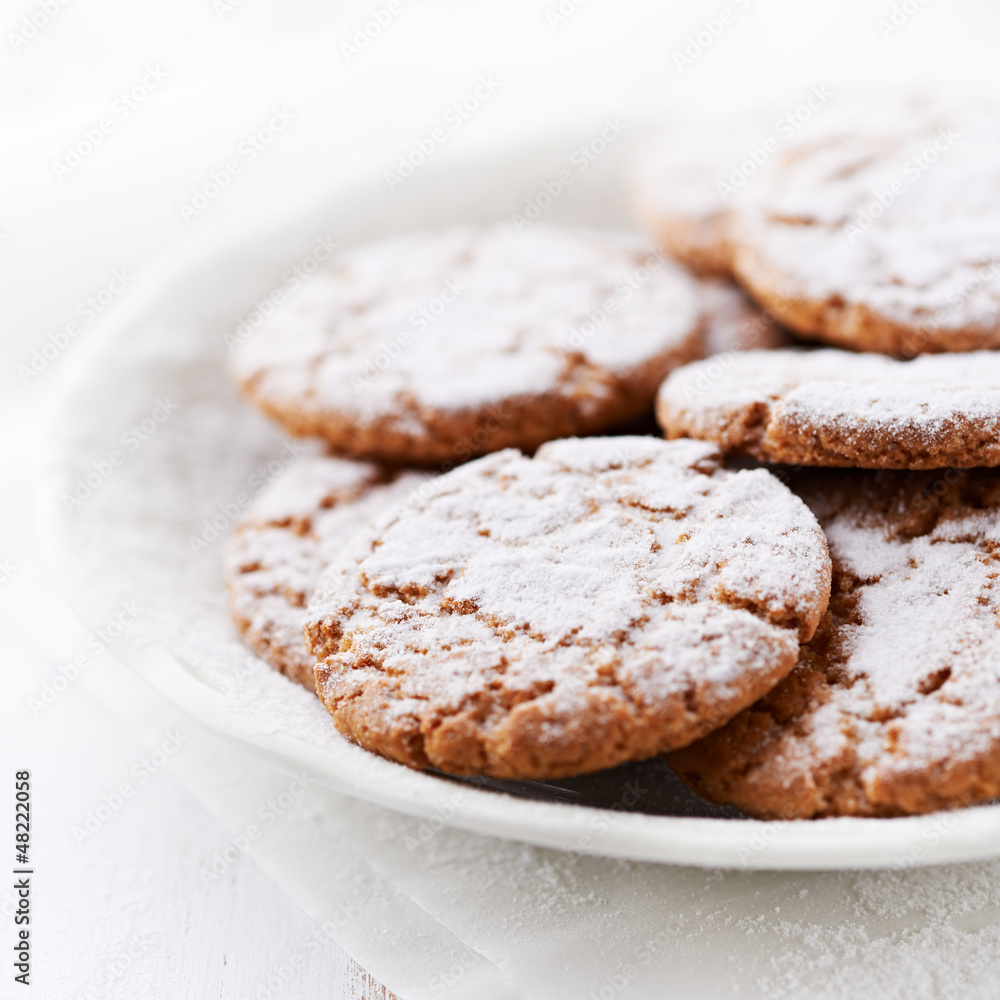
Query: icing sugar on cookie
894	707
436	347
280	547
687	181
604	601
837	408
684	183
879	229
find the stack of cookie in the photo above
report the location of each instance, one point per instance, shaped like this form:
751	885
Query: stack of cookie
877	230
480	570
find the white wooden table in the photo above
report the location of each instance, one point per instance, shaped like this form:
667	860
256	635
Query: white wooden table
122	904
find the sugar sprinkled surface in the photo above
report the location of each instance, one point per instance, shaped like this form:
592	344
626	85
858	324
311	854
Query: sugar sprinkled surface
678	179
887	204
280	547
942	409
626	567
468	317
895	706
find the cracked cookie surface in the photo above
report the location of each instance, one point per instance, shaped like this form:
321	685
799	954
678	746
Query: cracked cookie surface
538	617
836	408
436	347
878	228
894	706
281	545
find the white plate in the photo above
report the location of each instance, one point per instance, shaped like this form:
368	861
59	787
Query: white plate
136	537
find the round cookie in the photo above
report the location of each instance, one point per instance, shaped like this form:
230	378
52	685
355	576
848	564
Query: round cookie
681	184
557	615
437	347
734	323
835	408
281	545
894	707
879	229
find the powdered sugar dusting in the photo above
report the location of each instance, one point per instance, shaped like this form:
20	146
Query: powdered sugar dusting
678	178
895	706
888	208
280	547
831	407
466	318
601	564
928	607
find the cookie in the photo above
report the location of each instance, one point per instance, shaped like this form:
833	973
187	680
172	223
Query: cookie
734	323
894	707
879	229
434	348
281	545
683	184
835	408
557	615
